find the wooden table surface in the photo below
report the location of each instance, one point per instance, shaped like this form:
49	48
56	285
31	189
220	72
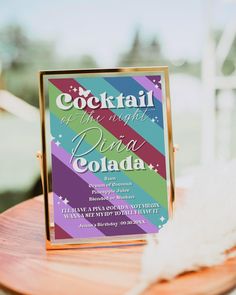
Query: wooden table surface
27	268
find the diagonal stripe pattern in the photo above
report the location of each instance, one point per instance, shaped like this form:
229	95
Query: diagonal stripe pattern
148	187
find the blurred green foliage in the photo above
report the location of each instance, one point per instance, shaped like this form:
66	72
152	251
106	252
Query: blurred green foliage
149	53
229	65
22	57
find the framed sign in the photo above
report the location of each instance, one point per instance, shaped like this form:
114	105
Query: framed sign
107	139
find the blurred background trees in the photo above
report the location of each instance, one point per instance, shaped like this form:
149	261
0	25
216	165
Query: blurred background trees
21	57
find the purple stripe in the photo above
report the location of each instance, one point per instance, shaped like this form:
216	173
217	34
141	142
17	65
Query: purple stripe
147	84
90	178
156	80
68	183
71	226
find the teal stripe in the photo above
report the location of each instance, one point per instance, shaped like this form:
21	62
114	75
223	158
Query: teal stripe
58	128
151	132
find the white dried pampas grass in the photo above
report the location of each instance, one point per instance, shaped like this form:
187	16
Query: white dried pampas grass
203	228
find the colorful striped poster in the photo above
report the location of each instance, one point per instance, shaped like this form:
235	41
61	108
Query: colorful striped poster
108	155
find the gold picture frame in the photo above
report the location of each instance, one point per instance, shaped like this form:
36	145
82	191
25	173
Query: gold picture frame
49	225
